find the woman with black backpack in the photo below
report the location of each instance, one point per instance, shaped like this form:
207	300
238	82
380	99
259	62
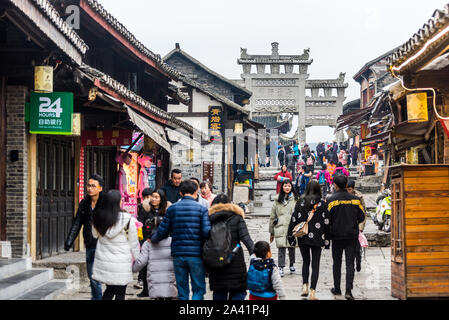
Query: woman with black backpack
229	281
310	206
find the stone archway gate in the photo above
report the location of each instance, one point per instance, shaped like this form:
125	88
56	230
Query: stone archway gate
316	102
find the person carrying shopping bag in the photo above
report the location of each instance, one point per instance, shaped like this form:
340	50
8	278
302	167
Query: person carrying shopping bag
312	209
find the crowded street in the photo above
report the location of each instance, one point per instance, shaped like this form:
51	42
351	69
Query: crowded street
199	152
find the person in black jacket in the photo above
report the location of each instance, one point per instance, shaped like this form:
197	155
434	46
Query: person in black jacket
154	204
317	237
346	212
83	219
229	282
172	187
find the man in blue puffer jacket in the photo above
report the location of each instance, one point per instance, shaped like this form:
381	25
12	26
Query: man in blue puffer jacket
187	221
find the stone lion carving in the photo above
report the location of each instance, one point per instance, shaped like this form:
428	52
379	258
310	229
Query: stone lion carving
305	55
342	76
243	53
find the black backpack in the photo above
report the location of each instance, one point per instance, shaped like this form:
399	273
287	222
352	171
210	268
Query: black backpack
217	248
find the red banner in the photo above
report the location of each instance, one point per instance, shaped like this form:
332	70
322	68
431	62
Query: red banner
81	175
106	138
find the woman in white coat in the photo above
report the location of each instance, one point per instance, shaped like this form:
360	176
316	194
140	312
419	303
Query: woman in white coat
117	246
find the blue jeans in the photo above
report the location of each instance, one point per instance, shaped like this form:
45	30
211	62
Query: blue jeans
95	286
193	266
229	295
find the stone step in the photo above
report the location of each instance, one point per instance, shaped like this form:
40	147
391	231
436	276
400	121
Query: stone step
10	267
47	291
25	281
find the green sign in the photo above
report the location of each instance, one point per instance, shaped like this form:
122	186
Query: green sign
51	113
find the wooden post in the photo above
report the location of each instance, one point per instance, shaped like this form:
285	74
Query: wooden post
3	159
32	188
79	243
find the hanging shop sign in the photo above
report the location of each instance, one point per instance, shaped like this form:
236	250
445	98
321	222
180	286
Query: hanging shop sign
238	128
76	124
208	171
215	123
51	113
131	175
43	79
106	138
417	107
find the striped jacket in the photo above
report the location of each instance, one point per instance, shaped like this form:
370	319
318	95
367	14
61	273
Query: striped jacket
345	212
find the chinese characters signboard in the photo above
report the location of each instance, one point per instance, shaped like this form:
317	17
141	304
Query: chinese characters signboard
106	138
51	113
208	171
215	122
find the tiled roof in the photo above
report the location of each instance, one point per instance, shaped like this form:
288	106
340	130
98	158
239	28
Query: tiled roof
179	95
95	5
52	14
438	21
202	66
113	84
372	62
213	94
269	122
329	83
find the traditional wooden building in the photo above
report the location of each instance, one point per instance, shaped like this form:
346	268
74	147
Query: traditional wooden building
105	78
419	137
209	90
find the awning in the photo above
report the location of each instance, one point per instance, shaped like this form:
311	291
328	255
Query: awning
381	137
174	135
150	128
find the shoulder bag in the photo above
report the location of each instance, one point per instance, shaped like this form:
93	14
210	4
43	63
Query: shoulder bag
302	228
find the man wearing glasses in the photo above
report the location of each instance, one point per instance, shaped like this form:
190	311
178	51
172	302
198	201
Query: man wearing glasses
83	218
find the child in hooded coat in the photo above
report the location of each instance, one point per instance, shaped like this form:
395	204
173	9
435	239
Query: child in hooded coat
160	271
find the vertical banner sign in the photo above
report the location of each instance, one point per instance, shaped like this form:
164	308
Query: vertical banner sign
81	177
51	113
208	171
215	123
131	175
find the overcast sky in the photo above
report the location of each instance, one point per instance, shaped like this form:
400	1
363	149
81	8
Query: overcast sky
342	35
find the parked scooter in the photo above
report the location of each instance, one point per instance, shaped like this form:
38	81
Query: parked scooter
382	217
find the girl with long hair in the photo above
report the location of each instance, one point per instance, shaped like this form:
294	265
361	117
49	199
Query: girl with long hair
281	214
117	246
311	207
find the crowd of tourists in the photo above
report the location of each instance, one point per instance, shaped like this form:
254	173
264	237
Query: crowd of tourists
185	232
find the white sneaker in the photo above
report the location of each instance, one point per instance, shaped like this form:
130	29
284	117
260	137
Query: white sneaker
281	271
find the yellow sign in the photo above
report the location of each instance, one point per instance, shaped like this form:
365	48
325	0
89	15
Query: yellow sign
43	79
367	152
76	124
417	107
238	128
411	156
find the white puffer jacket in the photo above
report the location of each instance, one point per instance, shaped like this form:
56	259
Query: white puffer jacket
115	252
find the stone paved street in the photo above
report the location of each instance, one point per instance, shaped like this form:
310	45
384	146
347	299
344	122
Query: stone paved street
372	283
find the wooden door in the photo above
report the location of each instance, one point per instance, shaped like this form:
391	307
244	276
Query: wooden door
55	194
101	161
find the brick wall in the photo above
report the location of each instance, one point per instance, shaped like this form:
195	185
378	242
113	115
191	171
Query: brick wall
16	172
195	169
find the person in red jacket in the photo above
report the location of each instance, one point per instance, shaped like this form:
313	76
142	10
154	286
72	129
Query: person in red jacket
282	176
